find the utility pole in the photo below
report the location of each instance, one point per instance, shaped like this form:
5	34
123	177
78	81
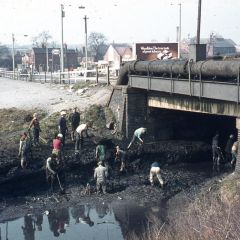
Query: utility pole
199	21
62	48
13	55
46	56
179	31
86	49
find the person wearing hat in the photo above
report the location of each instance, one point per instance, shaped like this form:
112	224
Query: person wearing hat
24	149
57	145
62	126
122	156
100	174
228	148
74	119
36	129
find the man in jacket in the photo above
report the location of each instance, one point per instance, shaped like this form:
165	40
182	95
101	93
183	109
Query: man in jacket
62	126
100	174
36	129
74	119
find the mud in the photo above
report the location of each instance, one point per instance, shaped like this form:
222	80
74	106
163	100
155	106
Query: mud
185	166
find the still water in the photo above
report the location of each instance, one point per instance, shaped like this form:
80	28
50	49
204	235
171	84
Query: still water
113	221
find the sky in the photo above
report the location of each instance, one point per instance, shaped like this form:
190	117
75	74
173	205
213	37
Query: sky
120	21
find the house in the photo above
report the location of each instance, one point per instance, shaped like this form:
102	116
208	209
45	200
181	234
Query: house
116	54
215	45
38	57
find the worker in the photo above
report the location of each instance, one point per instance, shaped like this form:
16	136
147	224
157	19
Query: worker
228	148
155	172
80	131
216	151
51	169
36	129
57	146
139	133
74	119
100	174
234	154
62	126
122	156
24	150
100	152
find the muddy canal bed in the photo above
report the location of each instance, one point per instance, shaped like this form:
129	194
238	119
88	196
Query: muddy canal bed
127	209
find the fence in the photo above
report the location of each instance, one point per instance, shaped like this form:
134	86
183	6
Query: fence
68	77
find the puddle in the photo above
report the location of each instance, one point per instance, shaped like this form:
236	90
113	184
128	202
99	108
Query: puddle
102	222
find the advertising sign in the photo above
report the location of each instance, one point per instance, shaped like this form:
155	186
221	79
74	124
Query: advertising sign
156	51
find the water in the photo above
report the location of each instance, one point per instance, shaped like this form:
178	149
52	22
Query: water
82	222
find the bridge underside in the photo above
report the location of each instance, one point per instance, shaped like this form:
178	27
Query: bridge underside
193	104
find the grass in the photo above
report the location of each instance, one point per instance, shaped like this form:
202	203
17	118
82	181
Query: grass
213	214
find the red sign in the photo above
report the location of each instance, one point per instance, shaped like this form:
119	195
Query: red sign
156	51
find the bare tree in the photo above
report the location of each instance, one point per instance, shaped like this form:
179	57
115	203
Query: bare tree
97	45
41	39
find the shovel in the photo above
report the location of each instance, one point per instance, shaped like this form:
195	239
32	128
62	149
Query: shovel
62	189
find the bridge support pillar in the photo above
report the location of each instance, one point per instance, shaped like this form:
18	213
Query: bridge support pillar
237	169
136	110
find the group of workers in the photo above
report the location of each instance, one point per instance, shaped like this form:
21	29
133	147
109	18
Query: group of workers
231	150
78	133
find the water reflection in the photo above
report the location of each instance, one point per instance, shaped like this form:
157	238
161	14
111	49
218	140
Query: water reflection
103	221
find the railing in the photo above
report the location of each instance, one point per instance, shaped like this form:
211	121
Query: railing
226	91
68	77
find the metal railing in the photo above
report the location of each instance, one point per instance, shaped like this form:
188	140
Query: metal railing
68	77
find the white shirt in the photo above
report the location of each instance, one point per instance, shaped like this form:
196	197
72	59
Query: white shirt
81	128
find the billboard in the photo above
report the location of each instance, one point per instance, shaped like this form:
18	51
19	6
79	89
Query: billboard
156	51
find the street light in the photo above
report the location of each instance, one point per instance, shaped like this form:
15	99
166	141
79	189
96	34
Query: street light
179	29
13	53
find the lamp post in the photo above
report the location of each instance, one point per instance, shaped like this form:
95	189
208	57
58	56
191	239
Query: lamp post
86	47
13	55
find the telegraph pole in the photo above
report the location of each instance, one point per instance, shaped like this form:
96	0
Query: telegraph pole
62	49
199	21
13	55
179	30
86	55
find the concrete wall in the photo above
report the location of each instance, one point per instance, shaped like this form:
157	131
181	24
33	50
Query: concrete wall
136	110
193	104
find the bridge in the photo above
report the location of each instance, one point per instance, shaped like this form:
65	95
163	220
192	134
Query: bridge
188	102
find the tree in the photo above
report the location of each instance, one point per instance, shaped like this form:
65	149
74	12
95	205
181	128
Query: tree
97	45
5	57
41	39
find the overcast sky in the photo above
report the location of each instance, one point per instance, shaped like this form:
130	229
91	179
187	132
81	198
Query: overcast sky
119	20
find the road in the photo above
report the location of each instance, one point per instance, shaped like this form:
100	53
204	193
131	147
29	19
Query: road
50	97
